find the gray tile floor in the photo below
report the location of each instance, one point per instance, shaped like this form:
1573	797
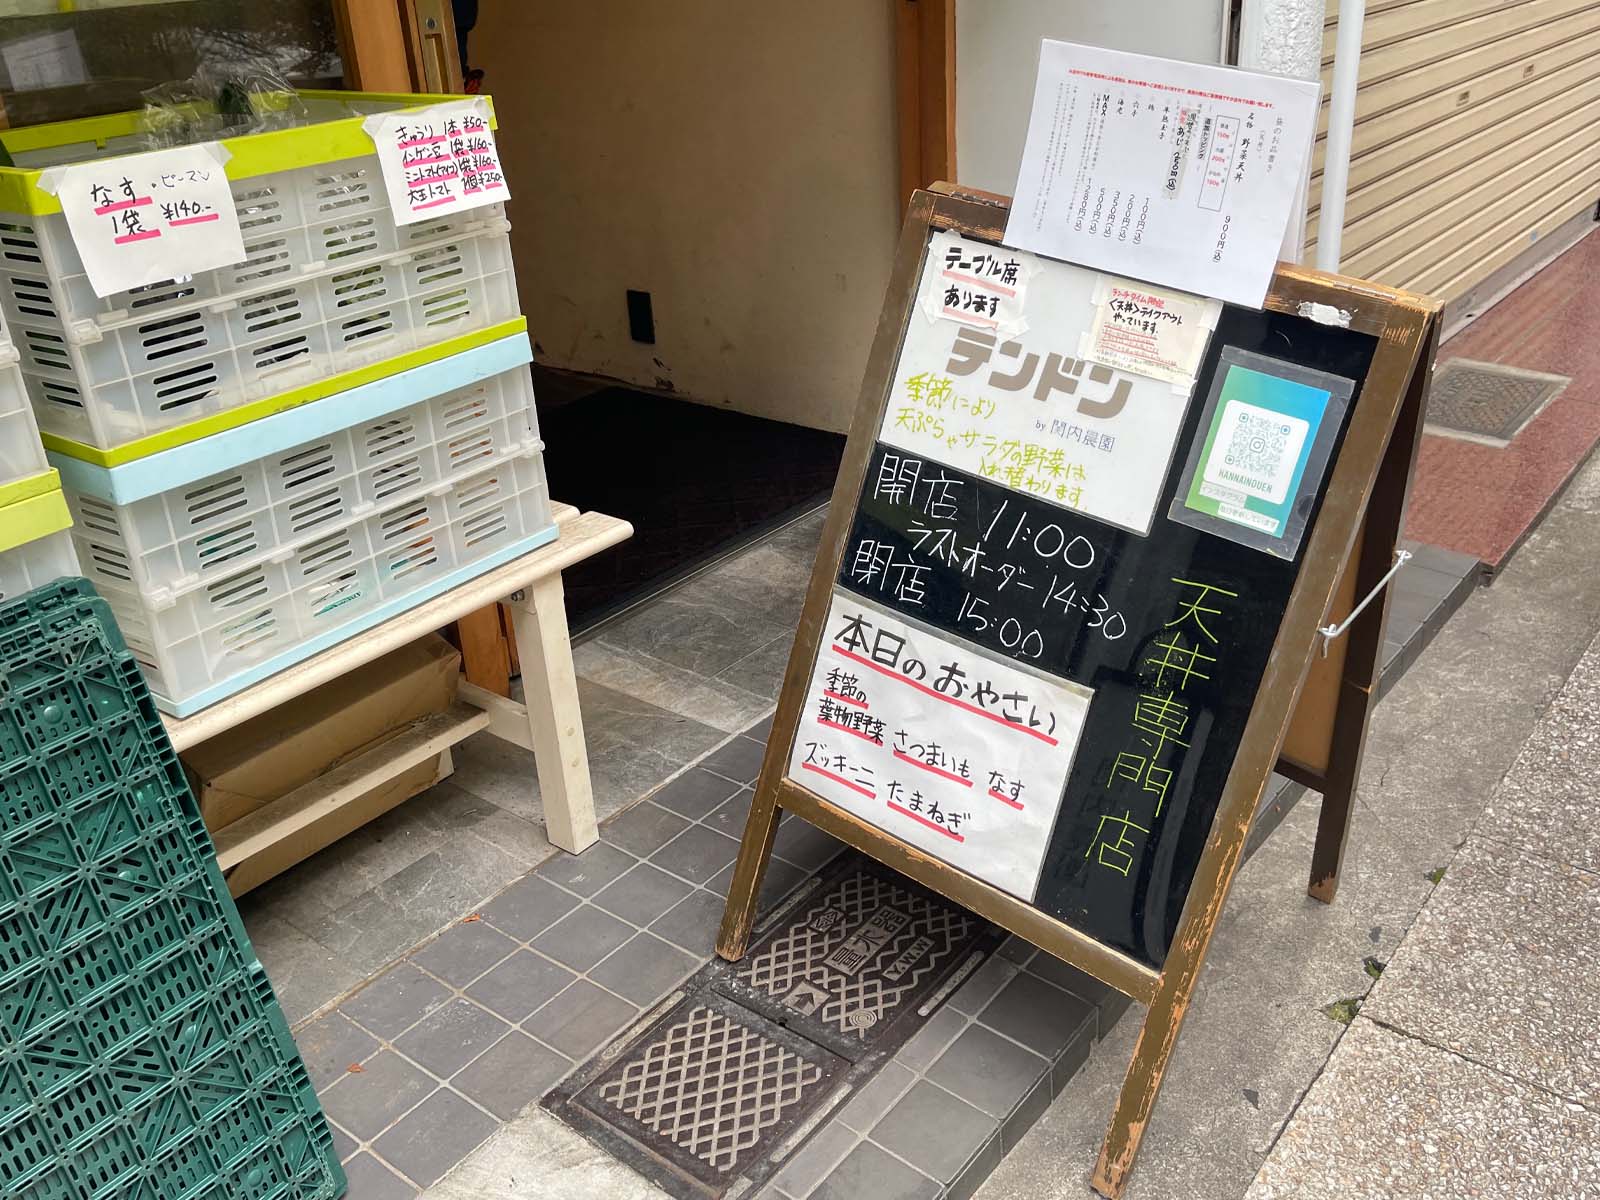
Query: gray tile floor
659	688
423	1046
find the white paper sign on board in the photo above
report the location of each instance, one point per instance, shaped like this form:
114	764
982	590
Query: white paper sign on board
1150	331
937	743
1027	409
438	160
144	218
1178	173
974	283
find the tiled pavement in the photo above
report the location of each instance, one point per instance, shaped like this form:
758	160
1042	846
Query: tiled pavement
421	1065
1484	499
463	1032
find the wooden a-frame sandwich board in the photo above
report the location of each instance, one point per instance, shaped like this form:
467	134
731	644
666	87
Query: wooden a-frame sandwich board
1310	712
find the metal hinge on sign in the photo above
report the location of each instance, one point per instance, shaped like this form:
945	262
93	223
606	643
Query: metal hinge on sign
1329	632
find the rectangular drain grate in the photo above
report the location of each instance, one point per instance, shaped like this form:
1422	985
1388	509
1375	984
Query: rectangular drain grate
708	1090
1487	402
710	1098
844	965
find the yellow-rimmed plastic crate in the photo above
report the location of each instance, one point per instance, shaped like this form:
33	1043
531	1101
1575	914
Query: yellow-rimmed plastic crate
21	454
35	547
330	283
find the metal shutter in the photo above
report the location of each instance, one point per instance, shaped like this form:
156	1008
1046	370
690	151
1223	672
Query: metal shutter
1477	134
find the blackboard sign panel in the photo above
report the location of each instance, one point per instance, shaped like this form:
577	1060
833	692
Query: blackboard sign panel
1106	608
1008	557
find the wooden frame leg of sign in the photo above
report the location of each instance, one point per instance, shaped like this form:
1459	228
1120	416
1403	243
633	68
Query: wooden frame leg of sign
1327	739
1309	714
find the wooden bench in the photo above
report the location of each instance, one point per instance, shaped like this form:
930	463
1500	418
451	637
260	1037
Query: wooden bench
548	721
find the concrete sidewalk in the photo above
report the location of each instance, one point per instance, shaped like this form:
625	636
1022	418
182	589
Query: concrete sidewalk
1473	1069
1497	1075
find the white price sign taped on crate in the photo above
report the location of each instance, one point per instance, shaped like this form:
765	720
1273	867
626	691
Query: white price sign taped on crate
439	160
144	218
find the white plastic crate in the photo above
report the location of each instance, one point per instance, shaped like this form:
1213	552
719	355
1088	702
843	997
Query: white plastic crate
167	544
20	452
107	387
36	563
232	628
315	219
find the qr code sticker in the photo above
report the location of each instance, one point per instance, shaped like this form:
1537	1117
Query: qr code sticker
1255	454
1258	446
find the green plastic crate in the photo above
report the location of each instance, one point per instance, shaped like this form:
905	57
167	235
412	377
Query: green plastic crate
143	1055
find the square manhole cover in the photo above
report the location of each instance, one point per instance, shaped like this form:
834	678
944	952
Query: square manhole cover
701	1098
849	965
1486	402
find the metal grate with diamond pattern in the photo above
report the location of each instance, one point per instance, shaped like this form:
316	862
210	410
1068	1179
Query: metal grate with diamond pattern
752	1054
862	949
711	1085
698	1101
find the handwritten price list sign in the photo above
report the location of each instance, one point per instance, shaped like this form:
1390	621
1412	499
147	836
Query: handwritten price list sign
144	218
438	160
936	742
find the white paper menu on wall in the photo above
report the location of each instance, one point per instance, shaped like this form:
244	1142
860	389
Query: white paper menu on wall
1173	172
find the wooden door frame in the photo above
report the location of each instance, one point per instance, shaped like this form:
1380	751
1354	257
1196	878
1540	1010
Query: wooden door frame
925	93
374	45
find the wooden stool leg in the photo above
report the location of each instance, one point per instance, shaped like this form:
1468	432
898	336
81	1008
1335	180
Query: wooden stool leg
550	691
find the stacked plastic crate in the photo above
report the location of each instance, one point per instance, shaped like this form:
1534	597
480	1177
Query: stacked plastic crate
142	1051
265	459
34	545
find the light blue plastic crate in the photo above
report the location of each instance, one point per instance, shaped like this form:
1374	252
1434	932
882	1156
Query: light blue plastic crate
232	558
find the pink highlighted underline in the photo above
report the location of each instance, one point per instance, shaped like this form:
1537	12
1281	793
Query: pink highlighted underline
966	316
436	177
846	729
862	704
924	688
428	162
917	762
854	787
121	205
196	220
137	237
933	825
427	141
488	187
1005	800
432	203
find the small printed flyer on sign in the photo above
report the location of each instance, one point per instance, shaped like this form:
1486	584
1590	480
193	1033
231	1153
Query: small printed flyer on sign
1177	173
439	160
149	217
937	743
1018	398
1266	434
1150	331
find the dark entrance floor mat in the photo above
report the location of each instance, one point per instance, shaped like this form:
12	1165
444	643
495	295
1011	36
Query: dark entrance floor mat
711	1097
695	482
